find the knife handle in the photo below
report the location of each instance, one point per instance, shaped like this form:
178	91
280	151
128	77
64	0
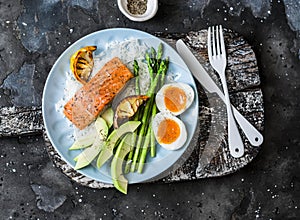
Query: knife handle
253	135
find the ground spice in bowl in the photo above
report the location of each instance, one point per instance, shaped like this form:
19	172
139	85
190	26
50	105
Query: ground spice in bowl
137	6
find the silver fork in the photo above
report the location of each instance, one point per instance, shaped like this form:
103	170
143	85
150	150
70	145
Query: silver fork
217	58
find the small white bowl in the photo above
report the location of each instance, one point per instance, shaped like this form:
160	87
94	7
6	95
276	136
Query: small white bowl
152	6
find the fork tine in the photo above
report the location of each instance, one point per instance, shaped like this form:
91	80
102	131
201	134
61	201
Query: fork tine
218	42
209	42
222	42
213	41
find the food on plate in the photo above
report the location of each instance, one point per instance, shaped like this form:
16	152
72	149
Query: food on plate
82	62
83	142
92	98
101	128
170	132
126	145
110	144
90	153
174	97
127	108
108	116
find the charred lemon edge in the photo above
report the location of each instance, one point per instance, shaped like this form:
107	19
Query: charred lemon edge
74	59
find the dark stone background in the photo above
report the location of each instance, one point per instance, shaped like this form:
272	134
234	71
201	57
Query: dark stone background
33	33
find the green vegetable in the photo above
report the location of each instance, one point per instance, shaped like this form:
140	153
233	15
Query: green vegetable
128	162
159	54
102	128
140	137
152	136
136	116
83	143
87	141
125	146
107	150
156	80
151	72
144	150
136	69
90	153
108	116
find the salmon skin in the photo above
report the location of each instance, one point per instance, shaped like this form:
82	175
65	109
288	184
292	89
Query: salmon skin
90	100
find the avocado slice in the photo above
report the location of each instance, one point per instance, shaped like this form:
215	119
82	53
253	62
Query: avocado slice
83	143
102	130
108	116
90	153
125	146
101	127
107	150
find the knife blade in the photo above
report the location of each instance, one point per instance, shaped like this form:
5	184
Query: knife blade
253	135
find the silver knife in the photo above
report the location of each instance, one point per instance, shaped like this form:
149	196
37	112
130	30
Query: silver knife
252	134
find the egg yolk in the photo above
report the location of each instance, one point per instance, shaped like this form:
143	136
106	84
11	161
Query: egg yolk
175	99
168	131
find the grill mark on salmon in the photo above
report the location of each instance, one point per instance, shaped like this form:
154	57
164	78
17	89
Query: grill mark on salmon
90	100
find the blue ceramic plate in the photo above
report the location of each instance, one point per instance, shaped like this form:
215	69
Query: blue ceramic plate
57	126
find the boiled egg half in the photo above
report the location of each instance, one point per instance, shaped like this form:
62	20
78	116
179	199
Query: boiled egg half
170	132
174	97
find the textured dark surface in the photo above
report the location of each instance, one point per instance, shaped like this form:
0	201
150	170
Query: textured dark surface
32	36
16	121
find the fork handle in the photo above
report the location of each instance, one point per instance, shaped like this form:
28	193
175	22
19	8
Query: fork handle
235	142
253	135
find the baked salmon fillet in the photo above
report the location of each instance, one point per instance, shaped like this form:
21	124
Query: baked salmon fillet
90	100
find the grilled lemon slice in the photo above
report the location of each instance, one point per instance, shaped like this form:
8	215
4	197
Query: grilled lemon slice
127	108
82	63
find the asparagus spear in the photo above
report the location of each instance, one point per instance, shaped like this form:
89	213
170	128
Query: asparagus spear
153	52
136	69
152	137
153	61
154	109
140	137
134	139
144	150
149	64
147	142
159	55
